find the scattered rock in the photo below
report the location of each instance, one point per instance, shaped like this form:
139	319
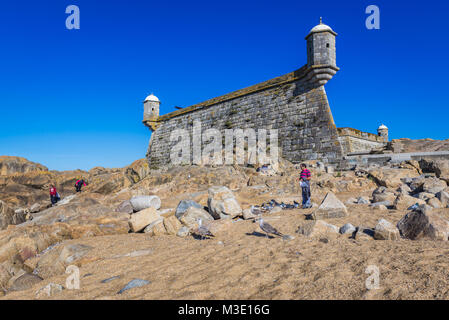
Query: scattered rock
141	219
125	207
347	229
331	207
184	205
405	189
183	232
443	196
135	283
423	223
434	203
382	194
434	185
362	200
149	228
35	208
403	202
222	203
140	203
363	233
318	229
383	204
25	282
156	229
384	230
49	290
380	207
192	215
172	225
425	196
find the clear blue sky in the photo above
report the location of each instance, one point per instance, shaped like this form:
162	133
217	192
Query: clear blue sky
73	98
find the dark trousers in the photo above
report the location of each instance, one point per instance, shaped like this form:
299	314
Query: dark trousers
53	199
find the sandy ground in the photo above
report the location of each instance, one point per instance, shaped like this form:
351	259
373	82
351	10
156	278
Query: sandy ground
244	264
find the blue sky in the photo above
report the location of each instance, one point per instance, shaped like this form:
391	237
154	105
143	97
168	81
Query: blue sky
73	98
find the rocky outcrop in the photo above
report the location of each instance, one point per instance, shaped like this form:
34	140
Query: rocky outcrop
10	217
423	223
12	165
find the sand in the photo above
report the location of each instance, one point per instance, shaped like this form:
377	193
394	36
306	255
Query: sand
243	264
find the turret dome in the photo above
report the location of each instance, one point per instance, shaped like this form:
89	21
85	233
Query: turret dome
321	28
151	98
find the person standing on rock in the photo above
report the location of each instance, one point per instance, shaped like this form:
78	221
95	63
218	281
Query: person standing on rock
79	184
54	197
304	177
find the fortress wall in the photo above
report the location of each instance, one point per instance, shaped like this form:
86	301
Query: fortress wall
355	141
291	104
355	144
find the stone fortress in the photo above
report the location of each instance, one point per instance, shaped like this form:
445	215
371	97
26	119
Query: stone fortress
295	103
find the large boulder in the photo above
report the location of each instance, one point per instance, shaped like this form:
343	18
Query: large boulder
9	217
384	230
172	225
143	202
423	223
318	229
143	218
347	229
434	185
403	202
125	207
222	203
439	167
331	207
192	215
391	177
443	196
184	205
383	194
434	203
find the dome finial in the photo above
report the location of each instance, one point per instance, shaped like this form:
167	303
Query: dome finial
321	20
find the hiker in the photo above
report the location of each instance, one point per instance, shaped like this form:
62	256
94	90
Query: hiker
54	195
304	179
79	184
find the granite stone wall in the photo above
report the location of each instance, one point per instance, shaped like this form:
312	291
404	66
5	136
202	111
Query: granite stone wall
297	107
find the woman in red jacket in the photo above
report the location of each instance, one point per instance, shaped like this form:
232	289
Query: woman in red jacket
54	196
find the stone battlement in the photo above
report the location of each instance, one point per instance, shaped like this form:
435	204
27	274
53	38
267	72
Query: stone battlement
351	132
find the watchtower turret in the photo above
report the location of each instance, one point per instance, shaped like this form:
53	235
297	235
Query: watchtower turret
151	106
321	53
382	131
